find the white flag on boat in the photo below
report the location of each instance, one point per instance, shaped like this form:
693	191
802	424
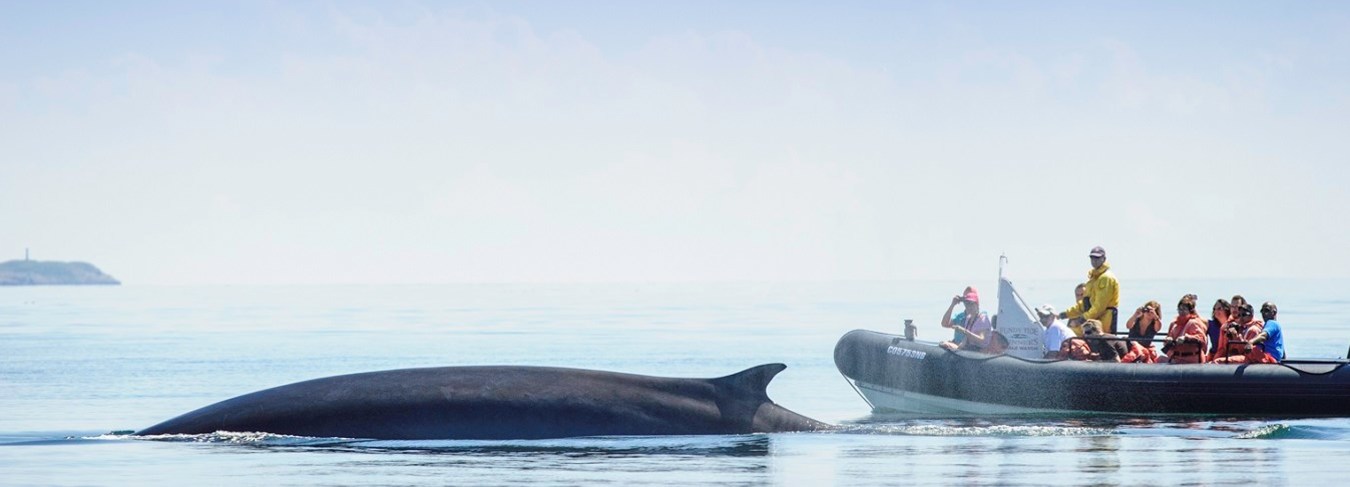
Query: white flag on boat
1016	321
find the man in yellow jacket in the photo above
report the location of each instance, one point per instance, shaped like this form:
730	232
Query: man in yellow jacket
1103	294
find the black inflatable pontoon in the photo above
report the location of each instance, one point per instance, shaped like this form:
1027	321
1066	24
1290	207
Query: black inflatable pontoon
894	374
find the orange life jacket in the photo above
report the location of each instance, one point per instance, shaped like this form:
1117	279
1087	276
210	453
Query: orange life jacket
1190	343
1240	354
1236	349
1140	354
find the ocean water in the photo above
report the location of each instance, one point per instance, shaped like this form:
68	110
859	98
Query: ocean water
82	366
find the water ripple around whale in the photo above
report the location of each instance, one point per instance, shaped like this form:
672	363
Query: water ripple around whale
711	445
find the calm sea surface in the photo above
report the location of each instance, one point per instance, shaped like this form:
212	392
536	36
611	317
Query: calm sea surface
81	366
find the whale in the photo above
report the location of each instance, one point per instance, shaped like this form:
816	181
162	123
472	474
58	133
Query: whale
500	403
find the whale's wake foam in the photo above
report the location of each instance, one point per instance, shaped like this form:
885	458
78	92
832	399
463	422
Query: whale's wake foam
702	445
987	431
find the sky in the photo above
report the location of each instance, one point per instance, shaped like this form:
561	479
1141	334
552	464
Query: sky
426	142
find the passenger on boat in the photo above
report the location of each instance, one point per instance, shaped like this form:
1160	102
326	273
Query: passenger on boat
1080	298
1094	345
997	343
972	327
1103	294
1056	332
1145	323
1219	316
1107	347
1075	348
1186	341
1140	353
1236	346
1233	342
1234	304
1271	338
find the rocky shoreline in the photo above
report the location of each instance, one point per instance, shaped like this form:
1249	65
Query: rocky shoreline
50	273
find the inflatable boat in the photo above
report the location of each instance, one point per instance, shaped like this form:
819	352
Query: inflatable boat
896	374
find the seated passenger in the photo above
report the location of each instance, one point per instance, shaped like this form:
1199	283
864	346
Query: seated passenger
1186	342
1107	347
972	327
998	344
1235	304
1234	342
1219	316
1075	348
1140	354
1094	345
1145	323
1271	339
1056	332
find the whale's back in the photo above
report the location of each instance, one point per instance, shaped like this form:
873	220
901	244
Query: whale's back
499	402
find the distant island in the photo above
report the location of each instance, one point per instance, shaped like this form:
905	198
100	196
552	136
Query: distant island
41	273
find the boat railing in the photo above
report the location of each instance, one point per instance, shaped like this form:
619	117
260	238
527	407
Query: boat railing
1121	337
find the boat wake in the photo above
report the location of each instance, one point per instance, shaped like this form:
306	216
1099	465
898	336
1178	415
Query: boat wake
987	431
1279	431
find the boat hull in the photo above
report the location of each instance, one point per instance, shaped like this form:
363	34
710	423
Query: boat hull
893	374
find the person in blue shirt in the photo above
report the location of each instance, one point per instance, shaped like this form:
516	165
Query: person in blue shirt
1271	338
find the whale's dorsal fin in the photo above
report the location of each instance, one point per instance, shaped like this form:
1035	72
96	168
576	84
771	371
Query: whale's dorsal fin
754	380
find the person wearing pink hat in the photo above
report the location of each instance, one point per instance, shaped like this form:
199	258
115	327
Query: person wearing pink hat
973	327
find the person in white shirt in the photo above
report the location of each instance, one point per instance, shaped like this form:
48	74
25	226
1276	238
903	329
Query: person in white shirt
1055	331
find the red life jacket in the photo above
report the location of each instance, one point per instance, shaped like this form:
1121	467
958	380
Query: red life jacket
1191	340
1234	349
1240	354
1140	354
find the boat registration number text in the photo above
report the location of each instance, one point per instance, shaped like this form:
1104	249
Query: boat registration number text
905	352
